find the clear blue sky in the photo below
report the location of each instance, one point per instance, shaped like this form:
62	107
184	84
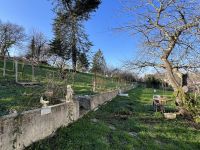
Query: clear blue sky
37	14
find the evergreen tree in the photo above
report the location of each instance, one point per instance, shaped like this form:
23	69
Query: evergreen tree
57	48
98	63
83	63
31	52
68	25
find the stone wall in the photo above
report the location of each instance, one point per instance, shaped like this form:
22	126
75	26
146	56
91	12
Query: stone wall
20	130
97	100
92	102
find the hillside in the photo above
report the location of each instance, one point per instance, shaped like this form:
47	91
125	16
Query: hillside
20	98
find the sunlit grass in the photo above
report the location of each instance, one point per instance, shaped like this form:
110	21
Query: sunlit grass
135	124
14	96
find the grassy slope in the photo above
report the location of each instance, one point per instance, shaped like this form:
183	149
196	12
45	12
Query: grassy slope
14	96
127	115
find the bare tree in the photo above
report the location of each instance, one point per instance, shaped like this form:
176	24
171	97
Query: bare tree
38	46
10	35
61	63
170	32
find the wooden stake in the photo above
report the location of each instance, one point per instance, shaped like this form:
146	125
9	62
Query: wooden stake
16	71
33	72
4	66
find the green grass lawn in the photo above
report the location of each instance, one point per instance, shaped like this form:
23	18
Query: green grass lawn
126	123
17	97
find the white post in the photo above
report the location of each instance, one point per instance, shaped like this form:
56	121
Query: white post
16	71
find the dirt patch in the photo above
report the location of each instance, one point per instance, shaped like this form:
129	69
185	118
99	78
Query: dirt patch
123	115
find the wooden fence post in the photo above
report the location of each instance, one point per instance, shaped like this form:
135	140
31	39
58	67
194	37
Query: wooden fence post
16	71
4	66
33	72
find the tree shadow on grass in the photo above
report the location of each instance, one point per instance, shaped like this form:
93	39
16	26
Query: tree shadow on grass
143	119
141	129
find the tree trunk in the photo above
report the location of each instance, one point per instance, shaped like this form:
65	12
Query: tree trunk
170	74
182	93
180	87
74	42
74	57
182	96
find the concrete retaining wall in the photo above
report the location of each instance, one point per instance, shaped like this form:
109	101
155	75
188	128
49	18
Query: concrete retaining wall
20	130
92	102
98	100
